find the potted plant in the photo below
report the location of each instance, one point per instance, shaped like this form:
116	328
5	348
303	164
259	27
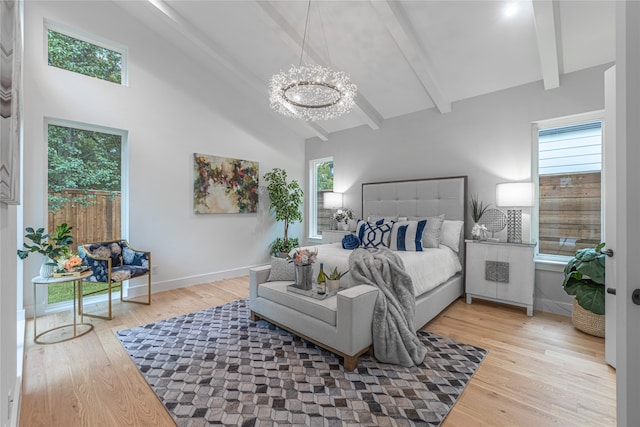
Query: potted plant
52	246
286	200
477	210
333	279
342	217
584	277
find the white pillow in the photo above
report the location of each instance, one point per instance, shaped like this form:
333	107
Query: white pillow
407	236
451	232
433	231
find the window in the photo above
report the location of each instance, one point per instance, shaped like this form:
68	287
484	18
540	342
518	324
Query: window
85	178
90	58
569	166
320	181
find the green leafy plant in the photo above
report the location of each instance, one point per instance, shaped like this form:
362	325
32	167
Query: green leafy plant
336	275
584	277
52	246
477	208
286	200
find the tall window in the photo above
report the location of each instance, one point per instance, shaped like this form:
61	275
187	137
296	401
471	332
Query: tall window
569	176
84	186
320	181
83	56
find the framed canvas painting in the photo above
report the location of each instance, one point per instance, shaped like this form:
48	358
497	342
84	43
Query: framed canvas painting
224	185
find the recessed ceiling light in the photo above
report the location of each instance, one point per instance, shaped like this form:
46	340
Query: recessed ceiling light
510	10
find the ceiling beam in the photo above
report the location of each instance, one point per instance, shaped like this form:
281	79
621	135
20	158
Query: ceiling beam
402	32
292	39
219	55
545	25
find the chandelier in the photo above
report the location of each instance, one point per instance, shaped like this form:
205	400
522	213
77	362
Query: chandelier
311	92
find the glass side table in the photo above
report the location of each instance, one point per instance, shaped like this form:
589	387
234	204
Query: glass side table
77	293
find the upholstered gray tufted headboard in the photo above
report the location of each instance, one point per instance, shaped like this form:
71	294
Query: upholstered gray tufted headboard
419	197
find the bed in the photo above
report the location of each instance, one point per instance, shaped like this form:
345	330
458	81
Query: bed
342	324
435	288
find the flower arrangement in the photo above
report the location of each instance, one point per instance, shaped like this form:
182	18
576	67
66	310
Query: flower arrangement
343	215
68	264
303	257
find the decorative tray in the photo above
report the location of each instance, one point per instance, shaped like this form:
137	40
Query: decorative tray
312	293
71	273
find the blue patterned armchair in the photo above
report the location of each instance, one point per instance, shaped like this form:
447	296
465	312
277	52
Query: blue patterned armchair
111	263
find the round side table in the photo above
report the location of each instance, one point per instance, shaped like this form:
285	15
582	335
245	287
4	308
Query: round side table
77	293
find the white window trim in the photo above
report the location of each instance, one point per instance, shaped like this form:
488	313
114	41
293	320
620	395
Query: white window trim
548	261
124	190
313	196
89	38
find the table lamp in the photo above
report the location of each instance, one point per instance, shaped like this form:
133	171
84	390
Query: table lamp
514	195
332	200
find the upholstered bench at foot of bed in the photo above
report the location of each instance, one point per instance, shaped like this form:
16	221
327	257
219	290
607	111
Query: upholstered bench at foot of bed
340	324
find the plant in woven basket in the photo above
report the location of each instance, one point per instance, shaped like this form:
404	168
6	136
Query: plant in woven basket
584	277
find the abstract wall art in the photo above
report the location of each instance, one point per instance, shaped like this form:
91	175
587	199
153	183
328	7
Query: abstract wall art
224	185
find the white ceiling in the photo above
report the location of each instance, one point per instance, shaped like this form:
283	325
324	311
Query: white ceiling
404	56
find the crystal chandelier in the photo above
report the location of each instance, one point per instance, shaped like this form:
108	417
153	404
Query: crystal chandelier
311	92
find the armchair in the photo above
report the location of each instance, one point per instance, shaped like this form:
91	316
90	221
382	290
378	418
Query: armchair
111	263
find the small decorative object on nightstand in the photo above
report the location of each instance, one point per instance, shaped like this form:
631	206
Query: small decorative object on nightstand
501	272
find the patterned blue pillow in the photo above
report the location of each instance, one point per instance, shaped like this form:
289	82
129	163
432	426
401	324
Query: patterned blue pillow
373	235
407	236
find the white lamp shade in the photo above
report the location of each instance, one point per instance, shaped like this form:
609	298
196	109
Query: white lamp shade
332	200
515	194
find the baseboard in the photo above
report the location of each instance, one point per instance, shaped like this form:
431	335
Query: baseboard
14	400
140	288
551	306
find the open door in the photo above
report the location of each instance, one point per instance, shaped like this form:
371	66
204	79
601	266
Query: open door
627	122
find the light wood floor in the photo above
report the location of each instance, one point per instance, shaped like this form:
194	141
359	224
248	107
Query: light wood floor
540	371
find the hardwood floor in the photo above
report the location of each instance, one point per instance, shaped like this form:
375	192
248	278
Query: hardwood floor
540	371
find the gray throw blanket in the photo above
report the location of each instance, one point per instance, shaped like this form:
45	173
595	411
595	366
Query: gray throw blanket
394	337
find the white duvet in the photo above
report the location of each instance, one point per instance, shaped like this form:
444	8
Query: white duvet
427	269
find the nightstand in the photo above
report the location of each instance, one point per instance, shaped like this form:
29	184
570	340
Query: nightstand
502	272
333	236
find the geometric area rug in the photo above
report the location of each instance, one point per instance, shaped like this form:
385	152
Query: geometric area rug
217	367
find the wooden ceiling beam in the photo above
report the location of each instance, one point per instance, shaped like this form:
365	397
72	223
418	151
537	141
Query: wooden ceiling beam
545	25
219	55
403	34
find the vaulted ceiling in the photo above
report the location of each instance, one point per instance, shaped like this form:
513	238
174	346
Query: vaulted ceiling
404	56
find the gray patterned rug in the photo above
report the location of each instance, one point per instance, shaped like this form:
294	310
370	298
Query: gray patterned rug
216	367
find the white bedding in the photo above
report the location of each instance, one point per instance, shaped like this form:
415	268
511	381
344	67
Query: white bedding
427	269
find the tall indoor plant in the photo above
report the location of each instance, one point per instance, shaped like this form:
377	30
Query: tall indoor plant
286	201
584	277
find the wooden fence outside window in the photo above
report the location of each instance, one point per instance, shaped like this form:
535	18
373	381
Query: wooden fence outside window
570	212
97	220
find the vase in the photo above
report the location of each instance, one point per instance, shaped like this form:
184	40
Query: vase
333	285
586	321
46	270
345	226
304	277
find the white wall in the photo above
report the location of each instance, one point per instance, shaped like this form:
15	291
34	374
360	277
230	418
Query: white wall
172	108
487	138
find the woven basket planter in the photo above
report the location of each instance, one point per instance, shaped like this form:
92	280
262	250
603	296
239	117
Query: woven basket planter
586	321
